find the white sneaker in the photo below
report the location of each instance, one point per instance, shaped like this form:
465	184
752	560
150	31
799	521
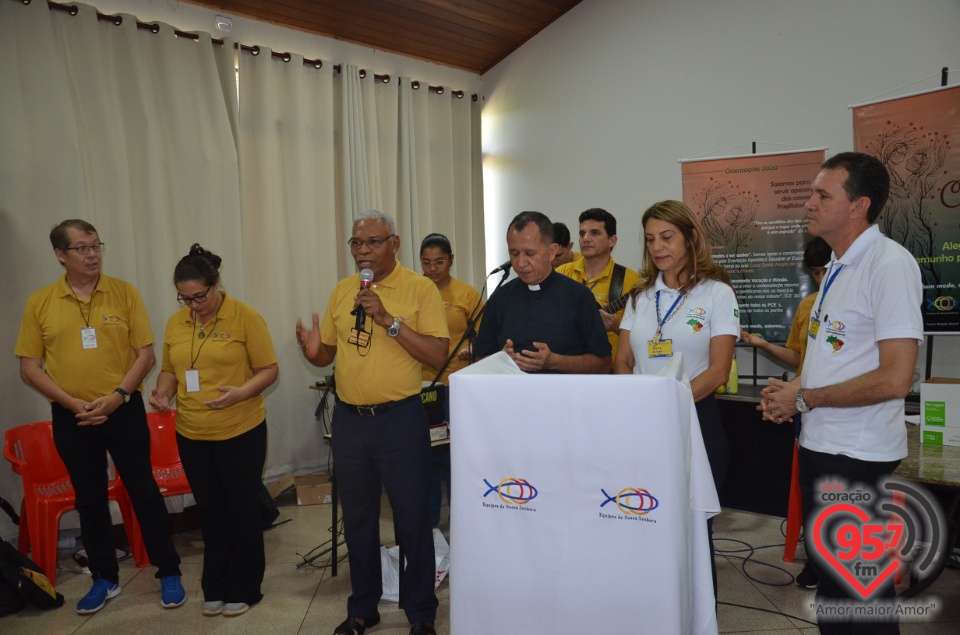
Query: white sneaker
213	608
232	609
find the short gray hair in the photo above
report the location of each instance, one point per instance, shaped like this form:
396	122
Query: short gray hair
377	215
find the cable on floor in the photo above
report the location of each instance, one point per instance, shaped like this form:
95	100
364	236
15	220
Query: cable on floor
757	608
750	550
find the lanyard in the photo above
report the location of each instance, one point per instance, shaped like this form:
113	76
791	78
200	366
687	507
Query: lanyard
86	318
826	287
669	314
193	360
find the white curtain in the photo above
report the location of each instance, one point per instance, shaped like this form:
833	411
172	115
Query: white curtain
142	134
123	127
290	231
318	148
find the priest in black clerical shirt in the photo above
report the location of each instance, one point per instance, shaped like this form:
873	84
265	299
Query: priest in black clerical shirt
546	322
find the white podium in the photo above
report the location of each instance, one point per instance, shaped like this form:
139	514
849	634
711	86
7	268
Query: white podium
579	503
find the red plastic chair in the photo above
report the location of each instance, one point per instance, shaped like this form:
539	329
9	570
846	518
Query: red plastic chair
165	454
48	493
166	464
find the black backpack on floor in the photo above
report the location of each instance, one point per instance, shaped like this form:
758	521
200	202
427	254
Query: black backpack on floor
22	582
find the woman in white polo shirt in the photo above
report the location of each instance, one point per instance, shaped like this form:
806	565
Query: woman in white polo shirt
684	303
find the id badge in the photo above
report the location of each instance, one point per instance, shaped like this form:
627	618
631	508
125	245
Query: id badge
663	348
360	338
814	327
88	337
193	380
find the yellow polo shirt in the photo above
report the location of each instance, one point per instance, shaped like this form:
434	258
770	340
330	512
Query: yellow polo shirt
459	301
797	339
51	326
226	356
383	371
600	286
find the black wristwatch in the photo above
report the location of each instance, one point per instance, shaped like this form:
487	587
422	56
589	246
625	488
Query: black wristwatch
123	393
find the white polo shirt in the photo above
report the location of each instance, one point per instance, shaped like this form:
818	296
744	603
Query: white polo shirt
709	309
876	296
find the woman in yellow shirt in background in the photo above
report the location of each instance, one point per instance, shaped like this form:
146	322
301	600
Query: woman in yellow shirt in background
217	360
460	302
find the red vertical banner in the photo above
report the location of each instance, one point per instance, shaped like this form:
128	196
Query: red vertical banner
916	138
751	208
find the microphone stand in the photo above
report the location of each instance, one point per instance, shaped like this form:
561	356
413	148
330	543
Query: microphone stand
470	333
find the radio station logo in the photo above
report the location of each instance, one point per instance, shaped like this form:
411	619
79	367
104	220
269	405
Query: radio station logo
632	503
513	492
862	537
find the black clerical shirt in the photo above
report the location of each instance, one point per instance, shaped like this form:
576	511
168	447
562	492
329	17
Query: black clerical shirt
562	313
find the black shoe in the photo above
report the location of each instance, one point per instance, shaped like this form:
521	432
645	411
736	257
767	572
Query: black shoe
807	579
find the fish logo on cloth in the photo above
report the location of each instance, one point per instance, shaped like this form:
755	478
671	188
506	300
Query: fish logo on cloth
635	501
512	490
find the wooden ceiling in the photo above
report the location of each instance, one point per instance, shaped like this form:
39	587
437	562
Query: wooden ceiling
472	35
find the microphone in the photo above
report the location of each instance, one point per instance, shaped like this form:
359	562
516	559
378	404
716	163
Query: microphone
366	281
504	267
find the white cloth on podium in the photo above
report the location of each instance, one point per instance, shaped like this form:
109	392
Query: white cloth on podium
578	500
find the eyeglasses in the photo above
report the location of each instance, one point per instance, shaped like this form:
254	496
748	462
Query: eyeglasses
373	243
429	264
200	298
83	250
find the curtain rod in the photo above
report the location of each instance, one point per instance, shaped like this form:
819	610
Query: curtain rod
154	27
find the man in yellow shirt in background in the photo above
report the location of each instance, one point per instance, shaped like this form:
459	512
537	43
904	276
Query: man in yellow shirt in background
609	282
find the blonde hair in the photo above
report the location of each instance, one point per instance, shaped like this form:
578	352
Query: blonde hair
699	267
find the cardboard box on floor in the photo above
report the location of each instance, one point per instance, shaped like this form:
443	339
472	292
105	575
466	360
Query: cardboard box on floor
280	486
940	411
313	489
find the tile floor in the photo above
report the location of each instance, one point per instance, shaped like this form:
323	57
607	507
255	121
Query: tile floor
756	595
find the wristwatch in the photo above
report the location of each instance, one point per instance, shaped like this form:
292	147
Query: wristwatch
800	403
123	393
394	329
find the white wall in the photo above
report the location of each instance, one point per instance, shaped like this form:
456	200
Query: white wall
596	110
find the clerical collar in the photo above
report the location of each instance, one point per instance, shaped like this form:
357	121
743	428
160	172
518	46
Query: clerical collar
543	283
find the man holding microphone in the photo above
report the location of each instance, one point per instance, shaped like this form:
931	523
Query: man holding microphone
381	436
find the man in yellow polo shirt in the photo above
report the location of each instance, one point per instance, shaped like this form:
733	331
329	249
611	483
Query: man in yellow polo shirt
565	253
597	270
85	344
381	436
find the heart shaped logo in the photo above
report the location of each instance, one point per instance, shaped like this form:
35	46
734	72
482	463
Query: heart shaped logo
874	567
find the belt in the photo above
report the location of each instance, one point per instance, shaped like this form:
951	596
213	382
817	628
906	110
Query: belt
376	409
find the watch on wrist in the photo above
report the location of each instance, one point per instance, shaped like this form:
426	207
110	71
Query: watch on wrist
394	329
800	403
123	393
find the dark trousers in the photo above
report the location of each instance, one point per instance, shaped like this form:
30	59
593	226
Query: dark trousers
440	473
718	454
225	477
815	469
126	437
389	451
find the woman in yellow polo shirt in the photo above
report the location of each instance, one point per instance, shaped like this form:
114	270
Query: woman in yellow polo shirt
217	360
460	302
